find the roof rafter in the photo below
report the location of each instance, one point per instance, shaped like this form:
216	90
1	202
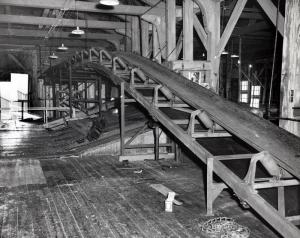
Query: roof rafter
32	20
82	6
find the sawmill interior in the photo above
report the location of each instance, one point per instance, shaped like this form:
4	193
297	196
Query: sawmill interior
150	118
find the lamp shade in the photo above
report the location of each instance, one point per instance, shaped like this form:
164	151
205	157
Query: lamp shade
53	56
109	2
78	31
62	47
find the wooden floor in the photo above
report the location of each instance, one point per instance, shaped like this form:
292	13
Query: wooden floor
100	197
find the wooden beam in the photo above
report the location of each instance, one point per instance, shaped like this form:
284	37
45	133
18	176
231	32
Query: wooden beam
17	62
44	14
171	29
179	45
82	7
230	25
200	31
42	34
188	46
31	20
145	38
290	83
156	46
271	11
190	65
135	35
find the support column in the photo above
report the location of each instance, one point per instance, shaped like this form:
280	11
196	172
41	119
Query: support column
171	29
213	40
156	142
145	38
290	83
34	79
100	95
70	90
128	34
188	28
122	119
135	35
156	44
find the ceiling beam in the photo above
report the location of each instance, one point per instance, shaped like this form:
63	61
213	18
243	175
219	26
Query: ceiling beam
237	11
32	20
82	6
64	35
271	11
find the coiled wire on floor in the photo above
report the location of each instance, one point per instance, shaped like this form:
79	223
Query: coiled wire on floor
224	227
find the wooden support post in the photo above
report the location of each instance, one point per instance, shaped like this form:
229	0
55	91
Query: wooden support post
122	119
240	69
54	92
70	90
128	33
156	142
178	158
188	28
145	38
22	105
85	93
290	83
135	35
281	201
212	189
156	46
100	95
171	29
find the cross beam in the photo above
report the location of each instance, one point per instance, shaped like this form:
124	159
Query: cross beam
82	7
32	20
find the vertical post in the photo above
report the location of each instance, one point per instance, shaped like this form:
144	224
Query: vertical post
155	42
177	153
135	35
240	69
22	116
85	94
100	95
122	118
171	29
156	142
209	186
128	33
145	38
281	201
70	90
290	83
54	93
188	28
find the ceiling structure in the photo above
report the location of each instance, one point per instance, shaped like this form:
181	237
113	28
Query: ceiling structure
42	26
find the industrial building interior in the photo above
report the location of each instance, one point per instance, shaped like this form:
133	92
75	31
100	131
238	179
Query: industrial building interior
150	118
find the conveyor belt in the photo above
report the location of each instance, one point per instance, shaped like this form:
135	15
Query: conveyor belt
257	133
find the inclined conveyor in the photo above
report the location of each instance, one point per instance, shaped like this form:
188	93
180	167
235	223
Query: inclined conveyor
200	116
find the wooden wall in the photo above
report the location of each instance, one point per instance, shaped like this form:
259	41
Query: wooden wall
290	79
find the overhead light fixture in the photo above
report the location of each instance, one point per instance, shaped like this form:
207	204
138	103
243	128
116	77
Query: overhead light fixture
234	56
62	47
53	56
109	2
225	52
78	31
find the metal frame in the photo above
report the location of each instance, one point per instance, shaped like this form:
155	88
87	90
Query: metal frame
243	190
